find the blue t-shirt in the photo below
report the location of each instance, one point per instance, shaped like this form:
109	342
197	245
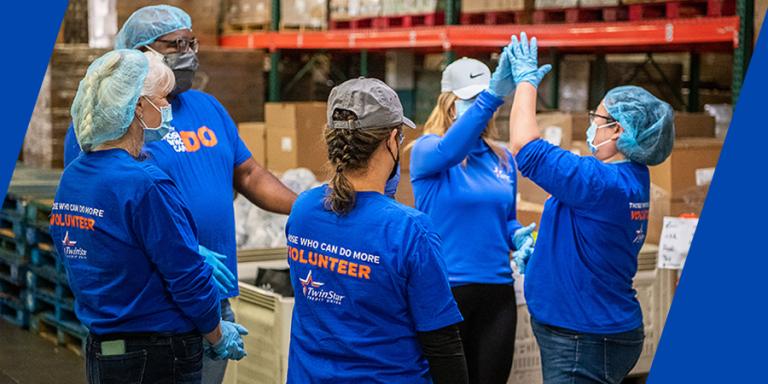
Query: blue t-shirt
128	243
470	196
200	157
365	284
592	229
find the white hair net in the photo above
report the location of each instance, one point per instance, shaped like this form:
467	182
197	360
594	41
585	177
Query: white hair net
106	98
649	128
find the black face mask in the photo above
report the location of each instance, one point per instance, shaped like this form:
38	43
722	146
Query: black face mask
184	65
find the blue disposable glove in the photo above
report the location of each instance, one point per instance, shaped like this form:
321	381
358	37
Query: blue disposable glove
522	235
231	344
524	60
390	189
222	276
502	83
522	255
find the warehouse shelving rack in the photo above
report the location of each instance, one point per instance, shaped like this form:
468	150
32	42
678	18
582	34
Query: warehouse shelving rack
695	35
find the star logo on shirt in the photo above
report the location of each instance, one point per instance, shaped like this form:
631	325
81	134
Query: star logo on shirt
67	242
308	282
639	235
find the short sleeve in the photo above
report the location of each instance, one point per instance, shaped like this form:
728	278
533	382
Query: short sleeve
430	299
239	149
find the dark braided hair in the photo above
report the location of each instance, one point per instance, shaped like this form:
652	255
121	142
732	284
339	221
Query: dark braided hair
349	150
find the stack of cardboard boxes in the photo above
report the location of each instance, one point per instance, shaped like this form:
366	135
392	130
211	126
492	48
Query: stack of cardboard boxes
482	6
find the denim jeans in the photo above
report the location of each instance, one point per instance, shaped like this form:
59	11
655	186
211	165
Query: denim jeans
148	359
570	357
214	370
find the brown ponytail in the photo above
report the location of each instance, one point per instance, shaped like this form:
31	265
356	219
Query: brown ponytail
349	150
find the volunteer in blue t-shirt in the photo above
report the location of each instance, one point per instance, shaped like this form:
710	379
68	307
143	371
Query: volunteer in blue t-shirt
578	285
466	184
203	154
126	238
373	304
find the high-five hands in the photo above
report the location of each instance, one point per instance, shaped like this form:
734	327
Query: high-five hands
523	56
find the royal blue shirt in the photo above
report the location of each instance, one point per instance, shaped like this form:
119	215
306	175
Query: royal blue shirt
365	284
200	157
592	229
469	193
128	243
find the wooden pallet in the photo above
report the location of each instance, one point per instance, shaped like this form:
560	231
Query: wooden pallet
246	27
496	18
69	335
392	21
13	268
636	12
12	306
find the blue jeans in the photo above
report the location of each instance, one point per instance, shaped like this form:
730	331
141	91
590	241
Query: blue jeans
570	357
214	370
148	359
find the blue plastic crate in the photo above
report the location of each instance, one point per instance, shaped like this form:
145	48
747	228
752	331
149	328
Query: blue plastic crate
13	267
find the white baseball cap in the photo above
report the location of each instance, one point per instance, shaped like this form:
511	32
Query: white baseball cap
466	78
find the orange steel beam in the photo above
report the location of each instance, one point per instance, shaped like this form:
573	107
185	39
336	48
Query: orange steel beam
652	33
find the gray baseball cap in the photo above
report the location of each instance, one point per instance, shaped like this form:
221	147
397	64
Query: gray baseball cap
375	104
466	78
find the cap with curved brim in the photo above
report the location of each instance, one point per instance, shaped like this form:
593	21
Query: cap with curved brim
470	91
375	105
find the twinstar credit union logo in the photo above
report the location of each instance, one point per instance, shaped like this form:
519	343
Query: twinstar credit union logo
71	250
312	291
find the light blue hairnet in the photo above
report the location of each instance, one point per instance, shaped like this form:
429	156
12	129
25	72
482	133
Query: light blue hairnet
649	128
145	25
106	98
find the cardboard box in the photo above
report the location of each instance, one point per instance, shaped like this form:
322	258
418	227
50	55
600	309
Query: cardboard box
254	135
686	125
598	3
556	4
295	137
248	13
528	212
662	205
529	191
689	167
303	14
557	127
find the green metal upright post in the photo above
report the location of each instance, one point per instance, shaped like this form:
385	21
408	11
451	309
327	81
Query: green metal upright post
598	82
745	9
695	81
364	62
554	85
274	57
451	11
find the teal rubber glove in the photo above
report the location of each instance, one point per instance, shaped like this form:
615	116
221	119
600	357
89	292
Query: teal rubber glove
522	235
502	83
231	344
523	255
524	58
222	276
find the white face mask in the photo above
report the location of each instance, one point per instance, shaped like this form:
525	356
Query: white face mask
592	132
157	133
462	106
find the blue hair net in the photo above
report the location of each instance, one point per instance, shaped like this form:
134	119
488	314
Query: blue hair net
649	128
145	25
106	98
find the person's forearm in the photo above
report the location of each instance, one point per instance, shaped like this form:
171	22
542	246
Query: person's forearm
445	355
263	189
522	119
214	336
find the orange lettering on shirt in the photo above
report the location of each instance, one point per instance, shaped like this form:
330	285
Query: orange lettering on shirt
312	260
302	259
322	261
333	263
342	270
364	272
191	142
352	269
207	137
294	253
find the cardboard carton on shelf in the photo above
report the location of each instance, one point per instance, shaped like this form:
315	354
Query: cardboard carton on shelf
254	135
528	212
529	191
295	137
690	165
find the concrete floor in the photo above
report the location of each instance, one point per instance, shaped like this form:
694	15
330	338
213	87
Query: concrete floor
26	358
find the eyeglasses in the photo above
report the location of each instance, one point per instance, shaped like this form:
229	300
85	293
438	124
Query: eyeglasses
182	45
608	119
